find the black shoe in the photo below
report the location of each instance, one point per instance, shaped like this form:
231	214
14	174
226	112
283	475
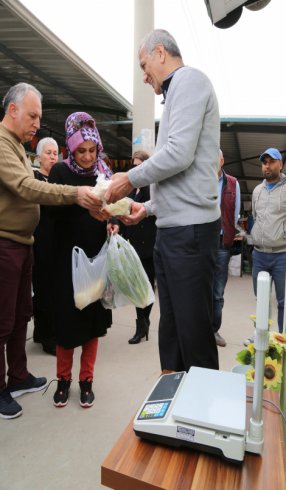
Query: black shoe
9	408
49	347
219	340
147	320
62	394
86	394
30	385
142	330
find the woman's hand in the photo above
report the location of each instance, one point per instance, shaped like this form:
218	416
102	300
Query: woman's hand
138	212
112	228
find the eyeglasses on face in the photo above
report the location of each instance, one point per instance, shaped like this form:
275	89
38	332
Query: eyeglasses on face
85	122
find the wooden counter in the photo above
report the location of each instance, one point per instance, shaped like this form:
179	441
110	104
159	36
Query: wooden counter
135	464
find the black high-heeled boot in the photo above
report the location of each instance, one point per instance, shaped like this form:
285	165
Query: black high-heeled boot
142	330
147	320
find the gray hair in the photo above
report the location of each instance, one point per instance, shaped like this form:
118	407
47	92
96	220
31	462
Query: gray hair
141	155
17	93
43	142
160	36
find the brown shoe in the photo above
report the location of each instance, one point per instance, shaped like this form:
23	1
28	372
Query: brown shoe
167	371
219	340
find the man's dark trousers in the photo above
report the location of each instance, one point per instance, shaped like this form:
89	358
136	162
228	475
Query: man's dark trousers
184	258
15	309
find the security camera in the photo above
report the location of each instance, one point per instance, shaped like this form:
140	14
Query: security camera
256	5
225	13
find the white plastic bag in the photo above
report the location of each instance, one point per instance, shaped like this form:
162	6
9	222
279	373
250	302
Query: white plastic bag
119	208
89	276
126	274
101	186
113	298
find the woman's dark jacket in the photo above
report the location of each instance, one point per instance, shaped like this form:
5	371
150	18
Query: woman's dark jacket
143	235
74	227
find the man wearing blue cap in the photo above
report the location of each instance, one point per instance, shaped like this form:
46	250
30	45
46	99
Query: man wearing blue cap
269	230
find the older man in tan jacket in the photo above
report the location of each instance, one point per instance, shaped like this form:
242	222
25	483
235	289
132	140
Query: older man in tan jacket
20	196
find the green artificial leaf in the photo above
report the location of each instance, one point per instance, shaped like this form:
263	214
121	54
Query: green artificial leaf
244	357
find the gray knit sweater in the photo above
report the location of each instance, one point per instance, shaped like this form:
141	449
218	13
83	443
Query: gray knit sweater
184	167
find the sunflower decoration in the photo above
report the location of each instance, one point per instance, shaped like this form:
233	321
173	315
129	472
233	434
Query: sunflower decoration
272	374
246	356
273	359
250	375
278	338
253	318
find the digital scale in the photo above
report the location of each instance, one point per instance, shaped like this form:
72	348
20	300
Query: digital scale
205	409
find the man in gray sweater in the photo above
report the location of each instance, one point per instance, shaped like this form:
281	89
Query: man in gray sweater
184	198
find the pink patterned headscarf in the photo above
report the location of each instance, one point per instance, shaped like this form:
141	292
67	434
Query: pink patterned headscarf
80	127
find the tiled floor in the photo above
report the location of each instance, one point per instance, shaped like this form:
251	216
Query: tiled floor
62	449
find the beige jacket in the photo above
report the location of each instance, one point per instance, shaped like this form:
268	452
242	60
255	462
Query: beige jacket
21	193
269	213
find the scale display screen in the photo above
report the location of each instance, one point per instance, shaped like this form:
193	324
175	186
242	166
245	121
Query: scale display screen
152	410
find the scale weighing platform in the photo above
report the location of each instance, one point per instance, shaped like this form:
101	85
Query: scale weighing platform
206	409
203	409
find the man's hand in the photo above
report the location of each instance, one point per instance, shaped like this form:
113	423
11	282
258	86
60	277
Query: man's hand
138	212
120	187
87	199
100	214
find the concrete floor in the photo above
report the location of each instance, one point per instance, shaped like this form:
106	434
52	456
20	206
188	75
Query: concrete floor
48	448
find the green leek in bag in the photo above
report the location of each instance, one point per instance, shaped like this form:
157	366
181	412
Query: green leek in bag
126	273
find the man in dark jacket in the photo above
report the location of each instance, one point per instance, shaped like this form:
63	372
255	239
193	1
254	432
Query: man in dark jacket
229	196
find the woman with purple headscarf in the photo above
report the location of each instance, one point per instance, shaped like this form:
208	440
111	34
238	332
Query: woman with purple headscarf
74	226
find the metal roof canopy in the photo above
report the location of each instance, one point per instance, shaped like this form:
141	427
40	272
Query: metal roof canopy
29	52
32	53
242	142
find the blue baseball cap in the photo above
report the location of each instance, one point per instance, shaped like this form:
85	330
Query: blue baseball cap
273	153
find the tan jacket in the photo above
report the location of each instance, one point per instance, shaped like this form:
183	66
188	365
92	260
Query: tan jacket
21	193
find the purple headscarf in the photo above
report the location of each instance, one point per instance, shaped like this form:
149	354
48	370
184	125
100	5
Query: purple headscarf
80	127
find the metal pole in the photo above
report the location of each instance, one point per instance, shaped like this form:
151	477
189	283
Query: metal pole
255	439
283	385
143	133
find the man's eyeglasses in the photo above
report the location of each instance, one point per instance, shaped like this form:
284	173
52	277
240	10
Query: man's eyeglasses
79	124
